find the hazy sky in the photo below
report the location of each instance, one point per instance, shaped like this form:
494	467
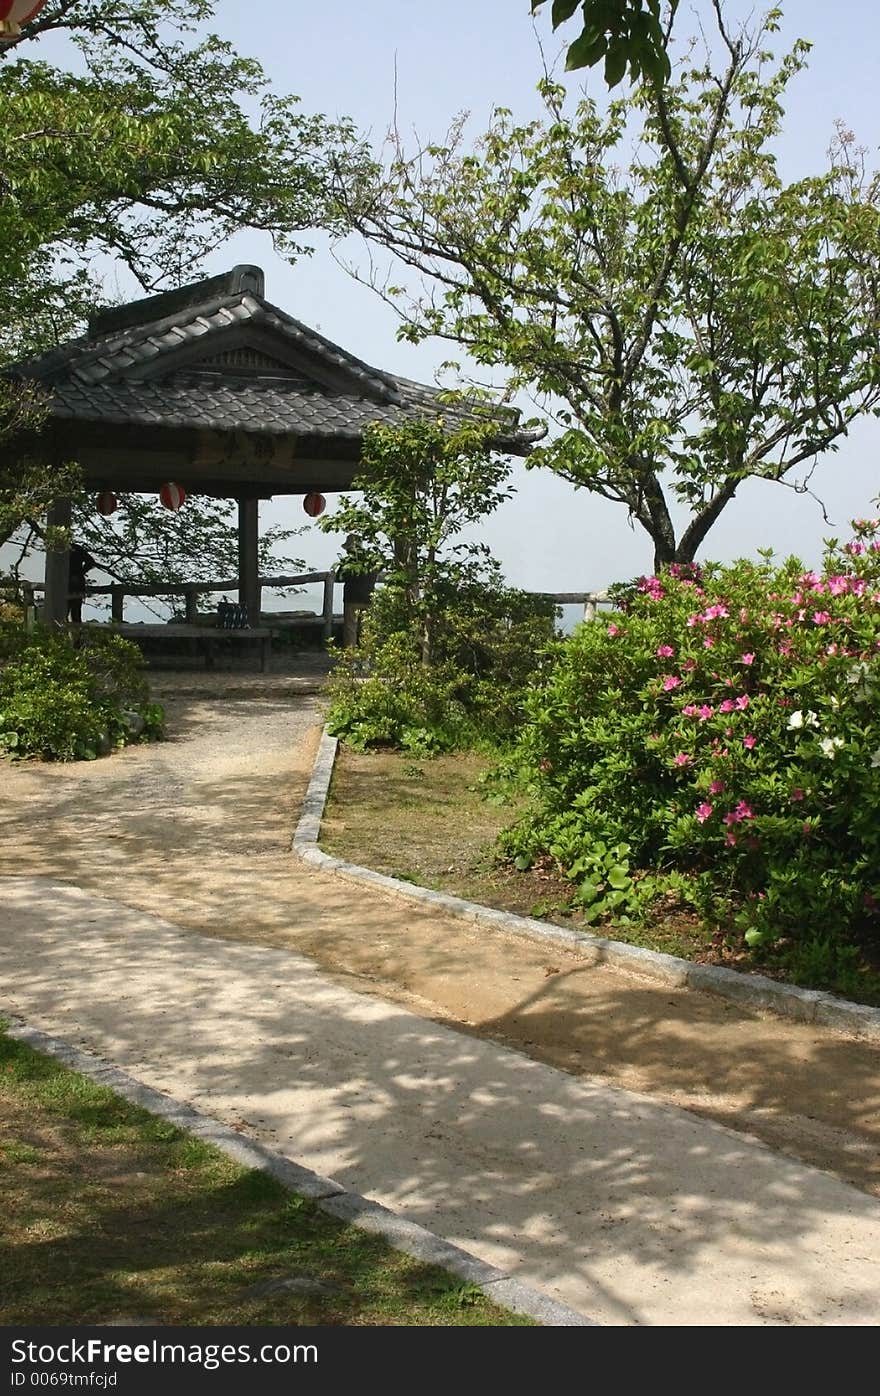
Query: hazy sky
342	58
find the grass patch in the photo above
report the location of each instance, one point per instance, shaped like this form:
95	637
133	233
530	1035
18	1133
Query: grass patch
112	1214
431	823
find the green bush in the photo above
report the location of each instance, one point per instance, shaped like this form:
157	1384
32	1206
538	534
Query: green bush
66	702
723	729
488	645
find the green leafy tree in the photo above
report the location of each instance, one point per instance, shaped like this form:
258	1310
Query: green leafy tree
690	320
628	34
420	485
152	154
448	650
27	485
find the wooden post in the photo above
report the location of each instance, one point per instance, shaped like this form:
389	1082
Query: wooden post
191	597
327	609
249	558
57	575
117	604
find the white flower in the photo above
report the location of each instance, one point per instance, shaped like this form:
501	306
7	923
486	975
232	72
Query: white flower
830	746
800	719
875	759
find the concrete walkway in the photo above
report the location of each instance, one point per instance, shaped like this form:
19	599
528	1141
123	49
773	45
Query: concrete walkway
632	1212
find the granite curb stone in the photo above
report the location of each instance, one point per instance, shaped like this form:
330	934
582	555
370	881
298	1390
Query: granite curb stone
753	990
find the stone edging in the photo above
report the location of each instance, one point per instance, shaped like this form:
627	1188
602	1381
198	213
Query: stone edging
331	1197
753	990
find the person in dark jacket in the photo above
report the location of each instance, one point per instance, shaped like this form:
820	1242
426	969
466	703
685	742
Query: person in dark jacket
81	563
358	585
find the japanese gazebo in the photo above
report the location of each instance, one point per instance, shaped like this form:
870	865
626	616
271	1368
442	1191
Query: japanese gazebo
212	387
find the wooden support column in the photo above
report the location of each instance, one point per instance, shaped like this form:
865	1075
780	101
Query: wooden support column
249	558
57	574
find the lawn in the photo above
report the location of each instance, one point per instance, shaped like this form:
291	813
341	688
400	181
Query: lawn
112	1215
434	822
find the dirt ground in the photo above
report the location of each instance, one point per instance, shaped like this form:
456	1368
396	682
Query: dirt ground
197	829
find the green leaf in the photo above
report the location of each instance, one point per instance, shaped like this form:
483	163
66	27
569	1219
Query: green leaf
588	891
586	50
616	61
522	862
619	878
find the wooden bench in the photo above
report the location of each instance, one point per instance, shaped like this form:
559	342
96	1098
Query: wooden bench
204	639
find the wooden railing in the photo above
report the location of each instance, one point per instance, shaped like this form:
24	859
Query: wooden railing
590	600
191	591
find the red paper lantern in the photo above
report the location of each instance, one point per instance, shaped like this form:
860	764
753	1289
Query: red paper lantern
314	504
15	13
172	496
106	503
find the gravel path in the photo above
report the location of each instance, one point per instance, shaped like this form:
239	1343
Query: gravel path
630	1209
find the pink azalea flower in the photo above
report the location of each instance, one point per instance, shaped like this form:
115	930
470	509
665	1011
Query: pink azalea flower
694	620
858	586
730	837
811	579
742	702
744	810
727	706
855	549
705	712
821	617
690	711
747	658
689	665
664	651
613	629
708	643
670	681
749	742
651	586
682	759
716	787
703	812
838	586
796	794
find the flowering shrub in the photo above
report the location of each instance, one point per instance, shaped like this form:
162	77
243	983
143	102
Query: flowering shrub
725	724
